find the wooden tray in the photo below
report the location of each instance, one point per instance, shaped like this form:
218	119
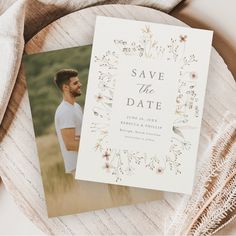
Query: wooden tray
19	163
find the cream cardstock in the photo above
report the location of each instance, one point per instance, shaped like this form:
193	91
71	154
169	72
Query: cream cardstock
144	104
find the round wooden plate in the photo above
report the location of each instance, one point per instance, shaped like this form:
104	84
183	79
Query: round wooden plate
19	163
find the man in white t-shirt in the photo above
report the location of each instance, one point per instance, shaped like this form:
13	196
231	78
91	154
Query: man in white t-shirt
68	117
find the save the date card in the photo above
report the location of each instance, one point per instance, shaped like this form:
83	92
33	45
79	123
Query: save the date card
144	104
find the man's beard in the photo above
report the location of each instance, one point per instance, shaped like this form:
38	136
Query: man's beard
75	93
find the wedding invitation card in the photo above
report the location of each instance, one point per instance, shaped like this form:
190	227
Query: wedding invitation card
144	104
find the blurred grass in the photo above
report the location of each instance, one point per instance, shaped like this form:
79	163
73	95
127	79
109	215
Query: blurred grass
59	187
65	195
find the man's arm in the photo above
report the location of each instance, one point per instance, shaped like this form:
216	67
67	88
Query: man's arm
71	141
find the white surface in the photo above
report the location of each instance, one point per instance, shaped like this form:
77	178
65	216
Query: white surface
12	220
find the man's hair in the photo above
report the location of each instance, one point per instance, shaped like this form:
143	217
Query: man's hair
63	77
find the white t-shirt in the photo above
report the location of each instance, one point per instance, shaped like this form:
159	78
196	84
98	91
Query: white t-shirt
68	116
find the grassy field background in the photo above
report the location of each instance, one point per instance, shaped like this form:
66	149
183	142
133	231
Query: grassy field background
61	190
64	195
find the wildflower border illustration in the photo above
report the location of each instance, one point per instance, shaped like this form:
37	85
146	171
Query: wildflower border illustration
122	163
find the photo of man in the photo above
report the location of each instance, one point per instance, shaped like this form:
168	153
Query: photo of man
68	117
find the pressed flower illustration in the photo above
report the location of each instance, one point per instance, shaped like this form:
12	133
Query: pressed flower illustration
193	75
107	167
106	155
183	38
160	170
123	163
